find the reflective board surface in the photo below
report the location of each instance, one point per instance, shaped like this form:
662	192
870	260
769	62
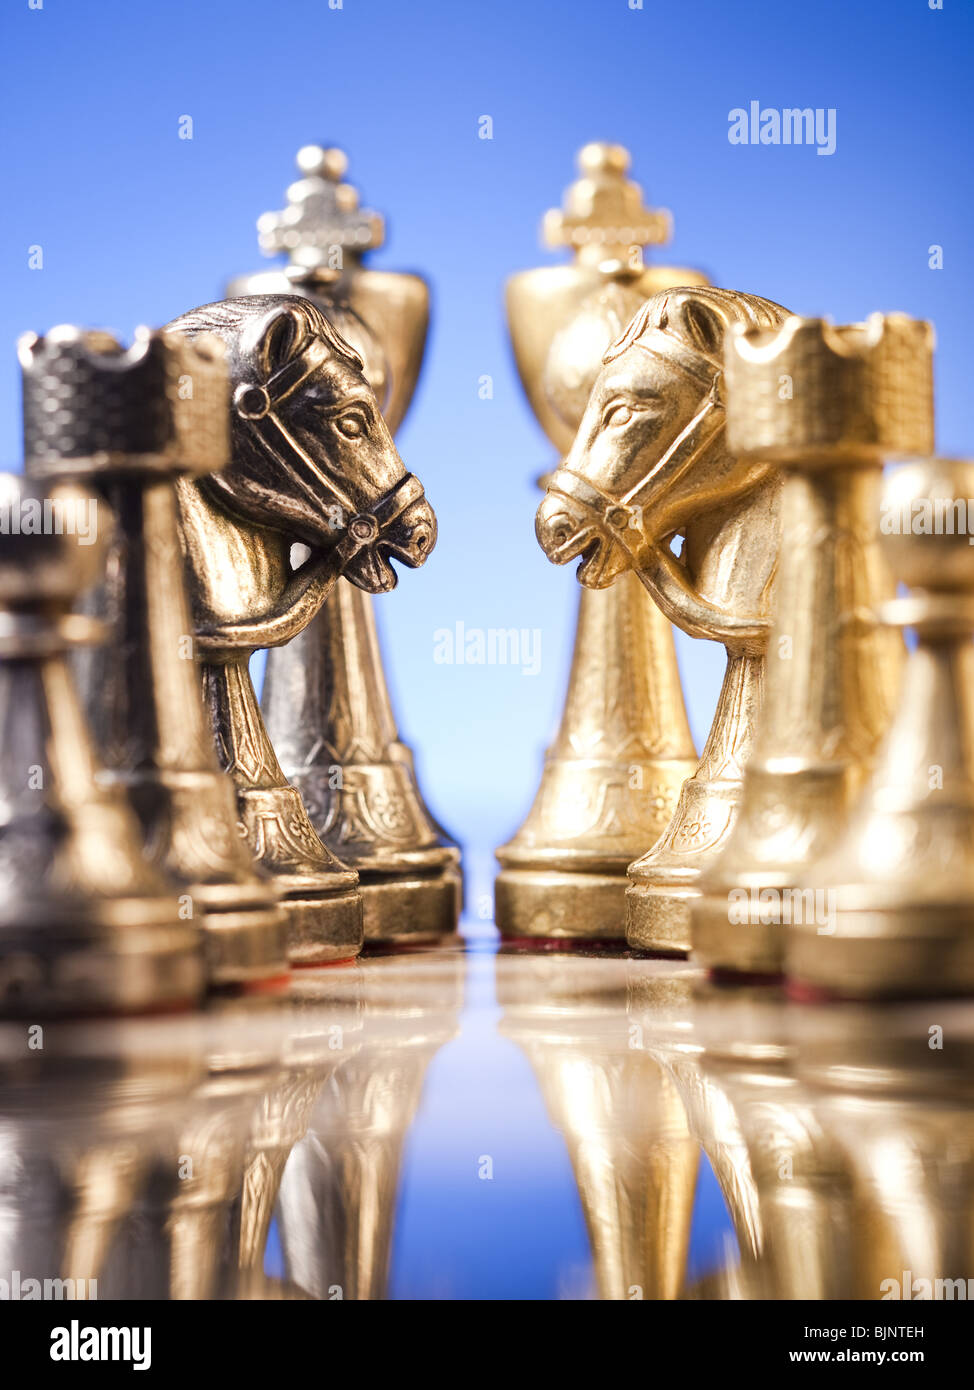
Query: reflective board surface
460	1123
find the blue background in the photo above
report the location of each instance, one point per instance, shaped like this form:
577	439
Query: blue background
137	225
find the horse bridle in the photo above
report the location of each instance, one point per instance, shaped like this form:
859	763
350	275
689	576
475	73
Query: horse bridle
624	517
257	405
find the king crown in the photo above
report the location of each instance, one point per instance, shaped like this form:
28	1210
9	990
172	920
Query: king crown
322	214
811	389
603	215
92	406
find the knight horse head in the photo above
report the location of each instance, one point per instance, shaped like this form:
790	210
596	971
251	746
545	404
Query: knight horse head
650	463
312	461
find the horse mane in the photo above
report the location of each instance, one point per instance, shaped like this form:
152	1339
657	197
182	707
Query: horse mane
699	317
228	317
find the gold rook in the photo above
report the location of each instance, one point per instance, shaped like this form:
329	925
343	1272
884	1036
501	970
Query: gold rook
826	405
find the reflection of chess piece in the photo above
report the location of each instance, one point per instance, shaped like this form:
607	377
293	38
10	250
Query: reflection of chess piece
826	405
799	1241
80	1134
325	701
127	423
202	1178
623	748
901	1111
338	1196
320	1034
332	480
651	462
784	1180
623	1122
126	1140
85	923
662	1019
902	879
179	1238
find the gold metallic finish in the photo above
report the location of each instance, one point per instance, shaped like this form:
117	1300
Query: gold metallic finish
86	924
326	701
785	1179
141	688
623	748
83	1133
312	463
314	1046
621	1116
610	781
649	463
826	404
899	1111
901	882
327	709
146	1153
338	1196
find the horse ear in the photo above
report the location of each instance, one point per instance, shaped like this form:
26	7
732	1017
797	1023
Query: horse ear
272	338
703	327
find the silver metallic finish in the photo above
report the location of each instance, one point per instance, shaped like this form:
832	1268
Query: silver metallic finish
312	462
326	700
129	423
86	924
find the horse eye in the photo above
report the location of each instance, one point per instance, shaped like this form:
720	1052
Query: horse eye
352	424
619	415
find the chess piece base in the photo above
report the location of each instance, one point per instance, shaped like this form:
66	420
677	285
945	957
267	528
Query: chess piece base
112	963
759	873
665	881
740	947
611	779
323	928
886	953
193	816
243	943
410	909
320	900
550	904
658	918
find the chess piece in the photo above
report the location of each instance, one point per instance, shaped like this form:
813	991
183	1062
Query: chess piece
312	462
82	1131
623	748
127	424
826	405
900	1111
786	1183
900	884
622	1119
321	1033
338	1196
325	701
86	924
650	462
